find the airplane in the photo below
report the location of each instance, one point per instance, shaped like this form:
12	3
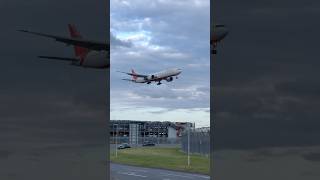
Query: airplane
219	33
167	75
88	53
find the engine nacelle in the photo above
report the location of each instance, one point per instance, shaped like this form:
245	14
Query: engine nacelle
151	77
169	79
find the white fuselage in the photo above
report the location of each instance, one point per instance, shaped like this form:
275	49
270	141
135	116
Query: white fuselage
158	76
96	59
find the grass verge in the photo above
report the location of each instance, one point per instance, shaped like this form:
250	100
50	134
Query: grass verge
159	157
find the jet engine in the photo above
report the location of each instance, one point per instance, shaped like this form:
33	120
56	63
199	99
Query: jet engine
151	77
169	79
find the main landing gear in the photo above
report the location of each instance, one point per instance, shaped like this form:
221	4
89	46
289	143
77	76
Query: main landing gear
159	83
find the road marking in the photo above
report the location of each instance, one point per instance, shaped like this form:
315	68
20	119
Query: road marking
178	175
139	170
132	174
200	176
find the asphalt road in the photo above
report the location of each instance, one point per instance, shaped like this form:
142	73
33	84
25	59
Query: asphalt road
124	172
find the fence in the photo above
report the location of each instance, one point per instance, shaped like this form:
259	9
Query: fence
156	140
199	142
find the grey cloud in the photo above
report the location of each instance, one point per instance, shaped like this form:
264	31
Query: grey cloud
115	42
166	97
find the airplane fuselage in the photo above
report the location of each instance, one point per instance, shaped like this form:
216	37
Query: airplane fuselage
162	75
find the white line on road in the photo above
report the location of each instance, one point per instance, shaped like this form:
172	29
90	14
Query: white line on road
132	174
200	176
139	170
177	175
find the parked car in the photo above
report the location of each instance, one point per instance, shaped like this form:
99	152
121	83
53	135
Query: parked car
124	146
148	143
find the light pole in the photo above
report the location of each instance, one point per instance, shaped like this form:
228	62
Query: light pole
188	145
158	133
144	132
116	140
139	137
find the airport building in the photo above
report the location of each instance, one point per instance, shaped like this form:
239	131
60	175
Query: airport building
137	132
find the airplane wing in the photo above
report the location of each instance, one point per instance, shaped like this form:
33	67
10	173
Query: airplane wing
59	58
127	80
136	75
93	45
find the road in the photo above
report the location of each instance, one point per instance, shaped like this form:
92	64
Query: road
124	172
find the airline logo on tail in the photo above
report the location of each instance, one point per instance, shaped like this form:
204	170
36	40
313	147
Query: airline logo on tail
134	75
80	52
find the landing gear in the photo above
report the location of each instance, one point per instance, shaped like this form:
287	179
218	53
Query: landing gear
148	82
214	51
159	83
176	77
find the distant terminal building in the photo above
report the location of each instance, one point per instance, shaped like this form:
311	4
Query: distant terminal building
203	129
136	132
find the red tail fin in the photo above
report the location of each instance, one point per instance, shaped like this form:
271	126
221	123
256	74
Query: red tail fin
79	51
134	73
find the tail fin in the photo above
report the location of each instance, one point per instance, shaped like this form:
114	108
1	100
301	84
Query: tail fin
133	75
79	51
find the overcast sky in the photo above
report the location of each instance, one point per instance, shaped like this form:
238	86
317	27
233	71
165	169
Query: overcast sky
154	37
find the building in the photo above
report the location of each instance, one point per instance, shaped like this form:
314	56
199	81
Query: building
136	132
203	129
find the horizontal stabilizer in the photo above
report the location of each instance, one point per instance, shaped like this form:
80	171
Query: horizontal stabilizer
59	58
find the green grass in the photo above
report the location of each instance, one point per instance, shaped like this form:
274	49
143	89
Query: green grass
166	158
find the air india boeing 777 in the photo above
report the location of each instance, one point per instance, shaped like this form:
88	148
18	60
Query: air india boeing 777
88	53
157	77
